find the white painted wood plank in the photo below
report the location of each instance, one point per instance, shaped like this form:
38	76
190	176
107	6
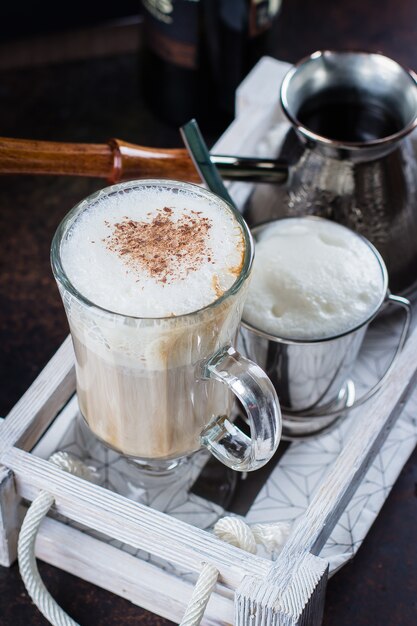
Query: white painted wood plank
131	522
10	518
142	583
301	603
35	410
283	593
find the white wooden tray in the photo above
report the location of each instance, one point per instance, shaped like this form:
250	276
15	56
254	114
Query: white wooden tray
331	487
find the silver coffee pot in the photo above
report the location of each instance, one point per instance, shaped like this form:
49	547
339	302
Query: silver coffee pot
351	158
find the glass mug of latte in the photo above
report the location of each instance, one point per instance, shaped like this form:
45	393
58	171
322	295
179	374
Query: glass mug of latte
153	275
319	285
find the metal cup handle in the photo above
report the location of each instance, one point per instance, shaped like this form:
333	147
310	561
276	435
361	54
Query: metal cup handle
390	300
257	394
406	305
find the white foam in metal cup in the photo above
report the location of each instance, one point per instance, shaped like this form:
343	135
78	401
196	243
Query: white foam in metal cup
311	368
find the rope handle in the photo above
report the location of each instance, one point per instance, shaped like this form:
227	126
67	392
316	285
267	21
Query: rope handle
26	544
233	530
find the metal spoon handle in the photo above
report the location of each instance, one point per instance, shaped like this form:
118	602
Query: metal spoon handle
250	169
200	155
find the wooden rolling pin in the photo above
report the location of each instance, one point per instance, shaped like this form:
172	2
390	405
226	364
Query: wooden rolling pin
118	160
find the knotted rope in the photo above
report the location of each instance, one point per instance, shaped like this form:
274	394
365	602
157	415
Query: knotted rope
233	530
236	532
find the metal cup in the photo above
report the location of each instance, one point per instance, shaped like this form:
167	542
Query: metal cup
311	377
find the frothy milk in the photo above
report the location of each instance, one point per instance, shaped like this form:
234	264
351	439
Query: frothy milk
151	257
312	279
150	253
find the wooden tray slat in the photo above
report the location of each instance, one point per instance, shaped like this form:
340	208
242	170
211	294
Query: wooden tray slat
131	522
110	568
38	407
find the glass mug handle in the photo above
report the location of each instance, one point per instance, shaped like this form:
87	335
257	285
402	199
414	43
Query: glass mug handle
255	391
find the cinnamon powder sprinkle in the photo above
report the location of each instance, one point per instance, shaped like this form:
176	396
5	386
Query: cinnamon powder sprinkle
165	248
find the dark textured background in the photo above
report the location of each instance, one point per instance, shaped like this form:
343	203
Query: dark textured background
92	100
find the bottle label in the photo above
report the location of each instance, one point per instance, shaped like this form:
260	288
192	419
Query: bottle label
261	15
172	30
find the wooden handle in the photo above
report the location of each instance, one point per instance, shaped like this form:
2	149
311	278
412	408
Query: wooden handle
115	161
132	161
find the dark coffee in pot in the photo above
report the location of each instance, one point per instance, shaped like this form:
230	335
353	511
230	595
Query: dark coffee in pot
346	116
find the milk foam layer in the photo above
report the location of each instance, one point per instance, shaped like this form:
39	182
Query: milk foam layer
108	277
312	279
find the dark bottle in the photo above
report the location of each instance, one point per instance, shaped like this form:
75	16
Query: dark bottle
196	52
